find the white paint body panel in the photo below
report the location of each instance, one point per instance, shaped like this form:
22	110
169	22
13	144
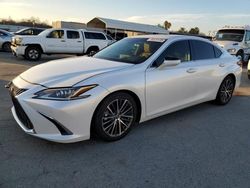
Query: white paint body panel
160	90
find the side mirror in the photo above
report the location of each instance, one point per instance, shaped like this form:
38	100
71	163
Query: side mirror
170	63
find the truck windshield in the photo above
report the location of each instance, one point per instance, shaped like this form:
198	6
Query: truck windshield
236	35
131	50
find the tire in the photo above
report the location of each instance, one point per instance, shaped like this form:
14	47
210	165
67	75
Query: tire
6	47
92	50
33	53
225	91
115	116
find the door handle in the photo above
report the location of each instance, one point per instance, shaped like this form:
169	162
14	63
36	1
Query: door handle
79	41
191	70
222	64
63	41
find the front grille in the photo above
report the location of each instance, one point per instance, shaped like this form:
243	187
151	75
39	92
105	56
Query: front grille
14	91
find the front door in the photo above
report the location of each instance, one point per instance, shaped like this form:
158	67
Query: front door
172	87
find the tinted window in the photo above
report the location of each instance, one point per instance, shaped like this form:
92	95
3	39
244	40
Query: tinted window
217	52
2	34
109	37
90	35
37	31
179	50
202	50
73	35
57	34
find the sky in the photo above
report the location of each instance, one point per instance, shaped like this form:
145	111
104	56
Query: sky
207	15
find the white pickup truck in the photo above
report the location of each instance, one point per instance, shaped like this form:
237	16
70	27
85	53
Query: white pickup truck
59	41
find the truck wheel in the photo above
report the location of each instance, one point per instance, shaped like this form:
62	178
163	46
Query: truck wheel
92	51
6	47
33	53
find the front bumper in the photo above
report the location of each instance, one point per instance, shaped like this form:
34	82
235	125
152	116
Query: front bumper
18	50
58	121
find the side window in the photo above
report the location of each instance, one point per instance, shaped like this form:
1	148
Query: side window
247	36
2	34
179	50
217	52
56	34
28	32
202	50
109	37
98	36
37	31
73	35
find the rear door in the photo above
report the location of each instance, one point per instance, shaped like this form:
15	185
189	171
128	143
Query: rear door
74	41
208	64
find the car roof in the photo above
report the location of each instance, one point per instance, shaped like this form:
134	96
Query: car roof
170	36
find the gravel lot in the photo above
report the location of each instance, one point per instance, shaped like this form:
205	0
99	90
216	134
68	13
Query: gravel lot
202	146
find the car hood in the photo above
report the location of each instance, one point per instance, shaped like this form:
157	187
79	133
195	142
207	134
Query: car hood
67	72
226	44
28	38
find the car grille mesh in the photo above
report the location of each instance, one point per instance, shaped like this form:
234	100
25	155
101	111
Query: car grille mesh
22	116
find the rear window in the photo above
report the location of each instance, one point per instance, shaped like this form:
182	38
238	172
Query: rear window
202	50
217	52
91	35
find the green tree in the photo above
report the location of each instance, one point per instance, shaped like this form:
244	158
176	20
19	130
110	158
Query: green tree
167	25
182	30
194	31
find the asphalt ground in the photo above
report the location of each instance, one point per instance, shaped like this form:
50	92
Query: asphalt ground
202	146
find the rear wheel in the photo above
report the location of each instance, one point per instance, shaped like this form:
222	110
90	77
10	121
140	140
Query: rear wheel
115	116
33	53
92	51
226	90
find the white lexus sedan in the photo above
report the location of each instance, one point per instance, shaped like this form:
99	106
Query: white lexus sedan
131	81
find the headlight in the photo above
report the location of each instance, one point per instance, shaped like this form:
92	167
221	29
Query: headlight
232	50
64	93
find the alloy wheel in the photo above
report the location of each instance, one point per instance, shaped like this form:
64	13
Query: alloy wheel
33	54
227	89
117	117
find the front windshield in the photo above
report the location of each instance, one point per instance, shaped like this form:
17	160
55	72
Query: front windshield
230	35
131	50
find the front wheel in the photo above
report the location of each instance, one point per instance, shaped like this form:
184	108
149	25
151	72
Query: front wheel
33	53
115	116
226	90
6	47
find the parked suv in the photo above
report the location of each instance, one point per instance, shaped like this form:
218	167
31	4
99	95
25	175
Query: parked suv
29	31
59	41
5	40
236	40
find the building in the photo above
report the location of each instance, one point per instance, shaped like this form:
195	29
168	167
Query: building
68	25
119	29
